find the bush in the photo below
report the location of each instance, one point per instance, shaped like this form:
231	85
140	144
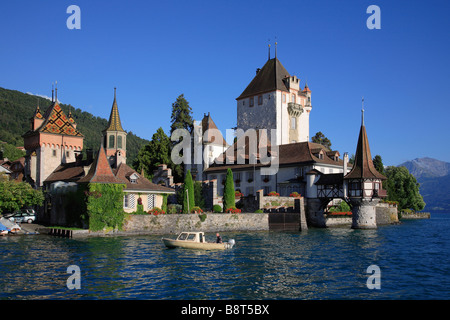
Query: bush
295	194
237	194
273	194
196	210
217	208
259	211
174	208
233	210
156	211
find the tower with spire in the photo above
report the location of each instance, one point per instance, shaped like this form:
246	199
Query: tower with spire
115	138
275	100
52	139
363	183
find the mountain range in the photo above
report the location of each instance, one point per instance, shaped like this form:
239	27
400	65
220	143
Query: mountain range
434	179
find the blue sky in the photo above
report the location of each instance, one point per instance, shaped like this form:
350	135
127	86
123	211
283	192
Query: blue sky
209	51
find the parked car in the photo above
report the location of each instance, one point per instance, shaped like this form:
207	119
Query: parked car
22	217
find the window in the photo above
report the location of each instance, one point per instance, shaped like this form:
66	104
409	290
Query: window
251	102
151	201
67	154
293	123
119	142
293	98
128	201
243	102
54	153
111	141
260	100
284	98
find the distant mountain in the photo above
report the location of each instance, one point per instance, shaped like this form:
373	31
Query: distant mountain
427	168
434	178
16	109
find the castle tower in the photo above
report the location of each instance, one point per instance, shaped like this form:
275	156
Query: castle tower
363	184
115	138
207	144
275	100
51	140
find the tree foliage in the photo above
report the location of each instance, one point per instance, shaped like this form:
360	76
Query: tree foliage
321	139
188	193
378	164
181	117
229	199
154	153
16	195
402	187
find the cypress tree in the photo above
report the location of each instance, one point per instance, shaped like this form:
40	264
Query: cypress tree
189	197
228	192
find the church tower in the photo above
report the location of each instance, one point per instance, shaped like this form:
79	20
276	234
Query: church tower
115	138
275	100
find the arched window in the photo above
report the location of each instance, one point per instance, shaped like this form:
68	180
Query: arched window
111	141
119	142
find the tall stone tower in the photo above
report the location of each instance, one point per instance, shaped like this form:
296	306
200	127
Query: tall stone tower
364	184
115	138
52	139
275	100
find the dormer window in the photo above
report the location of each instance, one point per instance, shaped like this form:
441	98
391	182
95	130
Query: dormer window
133	178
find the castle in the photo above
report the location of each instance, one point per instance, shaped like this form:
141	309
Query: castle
274	100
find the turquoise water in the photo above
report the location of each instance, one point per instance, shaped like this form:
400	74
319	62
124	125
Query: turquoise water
414	259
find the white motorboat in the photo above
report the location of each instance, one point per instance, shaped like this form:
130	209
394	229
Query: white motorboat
196	240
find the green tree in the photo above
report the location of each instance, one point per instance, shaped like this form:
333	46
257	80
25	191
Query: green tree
321	139
188	193
16	195
156	152
181	118
229	199
378	163
402	187
11	152
198	195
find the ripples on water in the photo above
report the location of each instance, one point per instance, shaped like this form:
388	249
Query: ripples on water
317	264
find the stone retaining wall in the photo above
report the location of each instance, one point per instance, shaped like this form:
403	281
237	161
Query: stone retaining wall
214	222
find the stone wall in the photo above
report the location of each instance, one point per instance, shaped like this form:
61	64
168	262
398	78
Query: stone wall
214	222
386	214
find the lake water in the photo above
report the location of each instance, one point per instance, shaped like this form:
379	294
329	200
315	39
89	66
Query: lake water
413	257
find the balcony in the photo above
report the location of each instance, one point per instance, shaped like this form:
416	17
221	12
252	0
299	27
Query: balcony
294	109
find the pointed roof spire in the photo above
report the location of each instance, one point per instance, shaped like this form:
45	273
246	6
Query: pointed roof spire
306	89
362	112
276	43
56	91
53	91
363	167
114	123
100	171
269	52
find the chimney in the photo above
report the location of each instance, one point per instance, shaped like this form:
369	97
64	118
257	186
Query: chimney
345	159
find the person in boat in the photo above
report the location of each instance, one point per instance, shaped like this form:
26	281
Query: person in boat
219	238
